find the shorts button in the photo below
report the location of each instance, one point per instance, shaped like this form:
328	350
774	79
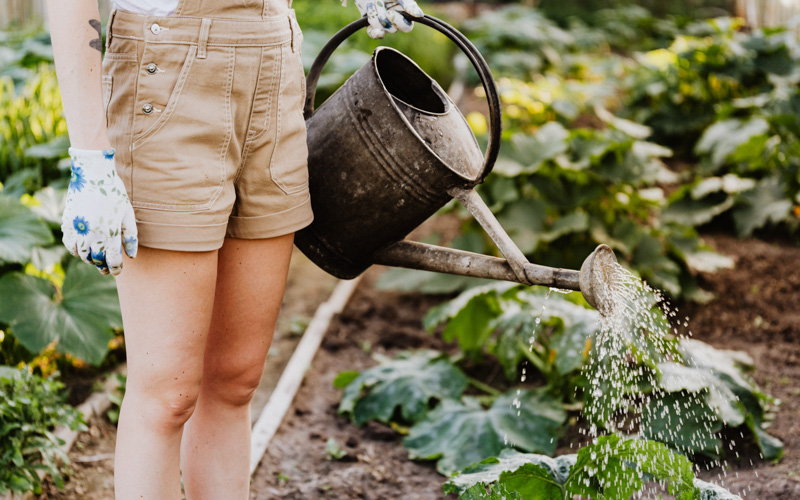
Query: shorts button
155	29
151	68
147	108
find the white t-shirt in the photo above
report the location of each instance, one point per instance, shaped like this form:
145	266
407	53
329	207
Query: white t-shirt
149	7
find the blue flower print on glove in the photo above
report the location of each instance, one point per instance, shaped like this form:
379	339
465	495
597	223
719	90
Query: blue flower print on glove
76	180
80	225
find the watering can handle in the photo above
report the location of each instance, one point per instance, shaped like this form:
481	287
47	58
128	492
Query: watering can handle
459	39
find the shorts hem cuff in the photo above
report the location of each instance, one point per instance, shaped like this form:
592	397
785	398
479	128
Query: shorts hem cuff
271	225
187	238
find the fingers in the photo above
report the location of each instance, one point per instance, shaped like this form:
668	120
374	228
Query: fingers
379	23
399	21
409	6
97	254
130	234
114	259
84	251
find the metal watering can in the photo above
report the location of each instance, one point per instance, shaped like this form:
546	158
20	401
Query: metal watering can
387	150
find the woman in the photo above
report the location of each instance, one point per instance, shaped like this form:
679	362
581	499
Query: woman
189	154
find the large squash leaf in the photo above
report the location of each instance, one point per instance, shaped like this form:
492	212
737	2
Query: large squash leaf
611	468
615	468
543	479
459	433
80	316
20	231
684	422
408	382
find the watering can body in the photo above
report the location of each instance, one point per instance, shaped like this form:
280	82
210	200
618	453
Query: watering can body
384	151
387	150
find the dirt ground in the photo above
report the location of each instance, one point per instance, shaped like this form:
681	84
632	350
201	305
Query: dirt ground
756	310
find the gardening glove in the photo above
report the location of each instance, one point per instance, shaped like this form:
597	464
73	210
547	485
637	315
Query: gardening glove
98	216
386	17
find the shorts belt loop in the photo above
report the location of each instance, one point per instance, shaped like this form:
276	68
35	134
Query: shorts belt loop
202	43
108	28
291	30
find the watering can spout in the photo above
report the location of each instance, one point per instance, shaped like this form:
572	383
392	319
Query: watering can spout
595	279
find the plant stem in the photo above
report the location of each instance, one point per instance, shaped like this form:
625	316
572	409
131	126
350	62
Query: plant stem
488	389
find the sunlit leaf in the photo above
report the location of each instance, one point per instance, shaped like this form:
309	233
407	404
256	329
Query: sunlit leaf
20	231
80	317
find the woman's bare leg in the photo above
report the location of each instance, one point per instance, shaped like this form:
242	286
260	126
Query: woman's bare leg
216	445
167	299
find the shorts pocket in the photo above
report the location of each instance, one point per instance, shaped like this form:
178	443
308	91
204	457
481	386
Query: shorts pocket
179	157
162	76
119	87
288	166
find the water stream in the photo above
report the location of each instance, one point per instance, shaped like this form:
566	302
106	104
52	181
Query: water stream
624	394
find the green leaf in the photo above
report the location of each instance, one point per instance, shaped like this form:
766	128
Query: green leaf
333	450
711	491
468	316
343	379
20	231
767	203
723	138
524	222
676	377
48	204
696	212
459	433
532	482
409	382
771	447
633	129
497	492
55	148
615	468
489	470
80	318
570	324
684	422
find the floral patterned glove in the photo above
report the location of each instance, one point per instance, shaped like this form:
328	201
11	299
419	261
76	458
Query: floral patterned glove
385	17
98	216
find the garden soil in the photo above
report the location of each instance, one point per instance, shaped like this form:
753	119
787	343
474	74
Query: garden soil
757	310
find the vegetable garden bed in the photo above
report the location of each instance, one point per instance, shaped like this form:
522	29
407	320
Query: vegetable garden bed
752	313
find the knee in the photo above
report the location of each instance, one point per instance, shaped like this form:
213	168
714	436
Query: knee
234	384
166	409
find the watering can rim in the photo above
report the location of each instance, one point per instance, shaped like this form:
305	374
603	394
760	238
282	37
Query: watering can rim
463	43
440	92
448	103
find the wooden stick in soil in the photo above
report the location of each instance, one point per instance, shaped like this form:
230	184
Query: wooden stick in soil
283	395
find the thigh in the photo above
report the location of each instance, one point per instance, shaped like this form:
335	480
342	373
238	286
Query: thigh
166	299
251	278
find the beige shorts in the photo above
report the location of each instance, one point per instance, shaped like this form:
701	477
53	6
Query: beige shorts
206	117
